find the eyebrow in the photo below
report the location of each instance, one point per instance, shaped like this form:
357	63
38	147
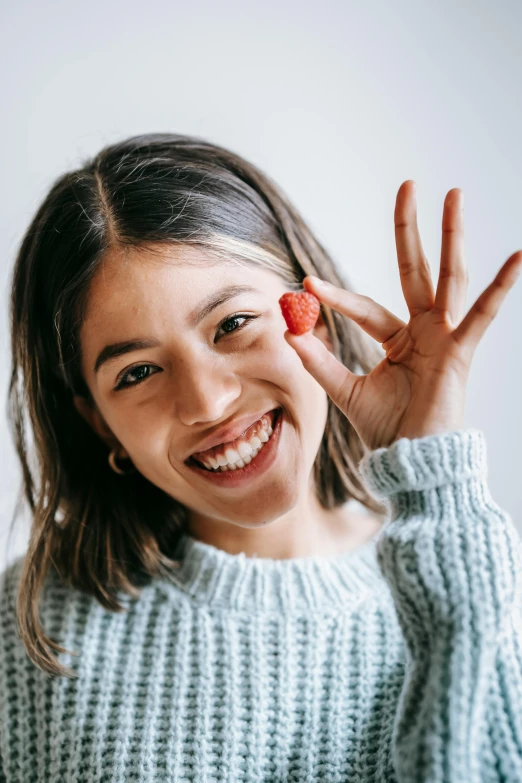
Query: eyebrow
114	350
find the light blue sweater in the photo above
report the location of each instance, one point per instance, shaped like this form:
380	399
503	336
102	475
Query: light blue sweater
400	661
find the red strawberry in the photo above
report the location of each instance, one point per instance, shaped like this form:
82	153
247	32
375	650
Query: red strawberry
300	310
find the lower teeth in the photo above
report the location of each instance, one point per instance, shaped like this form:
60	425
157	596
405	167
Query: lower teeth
225	468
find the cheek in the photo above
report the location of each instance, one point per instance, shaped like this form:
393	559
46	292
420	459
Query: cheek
273	359
270	357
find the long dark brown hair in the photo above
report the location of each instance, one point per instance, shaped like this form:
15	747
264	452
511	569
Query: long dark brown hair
104	533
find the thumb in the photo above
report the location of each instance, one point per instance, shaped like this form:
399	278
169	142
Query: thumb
336	379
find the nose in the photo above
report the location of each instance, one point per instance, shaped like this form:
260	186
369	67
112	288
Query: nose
205	391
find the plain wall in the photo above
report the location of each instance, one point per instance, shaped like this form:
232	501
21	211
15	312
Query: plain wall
339	102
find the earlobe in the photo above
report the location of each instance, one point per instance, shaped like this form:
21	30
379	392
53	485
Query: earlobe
95	420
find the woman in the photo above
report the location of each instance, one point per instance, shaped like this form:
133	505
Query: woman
209	591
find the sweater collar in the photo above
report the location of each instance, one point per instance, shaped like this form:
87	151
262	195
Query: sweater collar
217	578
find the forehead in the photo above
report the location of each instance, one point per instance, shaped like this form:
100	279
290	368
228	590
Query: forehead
130	277
163	282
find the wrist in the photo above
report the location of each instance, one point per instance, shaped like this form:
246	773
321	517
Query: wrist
425	429
423	464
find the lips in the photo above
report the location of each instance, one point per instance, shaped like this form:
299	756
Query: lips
251	472
228	435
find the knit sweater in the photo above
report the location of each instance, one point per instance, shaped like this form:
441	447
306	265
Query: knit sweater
398	661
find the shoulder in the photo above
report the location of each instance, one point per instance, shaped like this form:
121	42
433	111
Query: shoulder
71	617
9	583
11	647
11	572
56	603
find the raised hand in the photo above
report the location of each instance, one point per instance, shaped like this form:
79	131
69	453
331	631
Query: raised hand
419	388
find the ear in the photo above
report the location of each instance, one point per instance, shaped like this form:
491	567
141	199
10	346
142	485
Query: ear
94	419
320	330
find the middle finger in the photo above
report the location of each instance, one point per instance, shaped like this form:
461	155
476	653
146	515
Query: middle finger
414	269
453	274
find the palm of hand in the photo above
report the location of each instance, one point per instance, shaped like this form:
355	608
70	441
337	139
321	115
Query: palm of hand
419	387
420	370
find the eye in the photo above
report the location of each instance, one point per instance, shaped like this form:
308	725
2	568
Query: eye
233	319
134	370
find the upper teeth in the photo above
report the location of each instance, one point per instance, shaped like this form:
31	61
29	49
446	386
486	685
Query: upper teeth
243	455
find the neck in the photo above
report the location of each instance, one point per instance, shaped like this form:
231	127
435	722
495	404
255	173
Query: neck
304	531
217	579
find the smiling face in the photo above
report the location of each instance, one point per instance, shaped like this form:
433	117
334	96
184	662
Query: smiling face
158	404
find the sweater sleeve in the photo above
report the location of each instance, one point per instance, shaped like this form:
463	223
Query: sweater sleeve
453	561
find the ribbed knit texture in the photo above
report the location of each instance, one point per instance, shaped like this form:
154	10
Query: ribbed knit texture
400	661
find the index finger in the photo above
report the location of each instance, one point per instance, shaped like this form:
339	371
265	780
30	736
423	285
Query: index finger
375	319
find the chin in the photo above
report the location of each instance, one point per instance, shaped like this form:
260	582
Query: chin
269	504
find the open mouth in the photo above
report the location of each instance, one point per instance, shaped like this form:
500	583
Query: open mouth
240	453
254	467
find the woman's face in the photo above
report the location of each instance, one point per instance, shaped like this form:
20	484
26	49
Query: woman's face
197	376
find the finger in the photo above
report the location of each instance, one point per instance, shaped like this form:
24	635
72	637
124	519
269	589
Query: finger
414	269
336	379
376	320
470	331
453	275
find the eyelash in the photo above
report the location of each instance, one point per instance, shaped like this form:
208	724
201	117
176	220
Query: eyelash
125	385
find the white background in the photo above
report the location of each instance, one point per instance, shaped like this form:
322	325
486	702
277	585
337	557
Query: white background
339	102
